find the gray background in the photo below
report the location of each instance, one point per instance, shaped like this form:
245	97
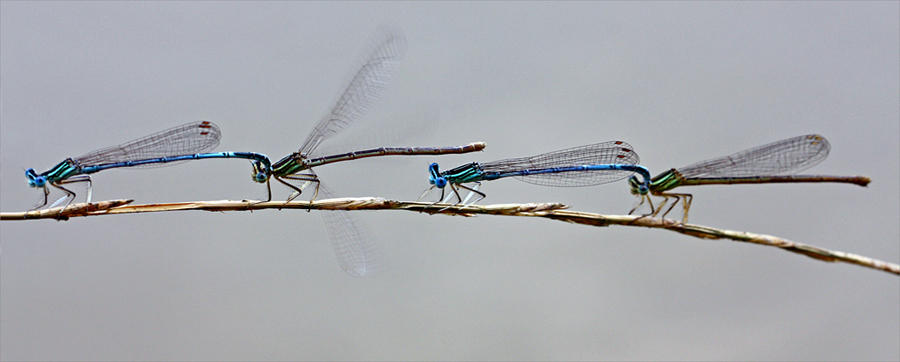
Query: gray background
681	82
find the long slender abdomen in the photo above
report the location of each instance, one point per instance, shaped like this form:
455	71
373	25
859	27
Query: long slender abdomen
396	151
856	180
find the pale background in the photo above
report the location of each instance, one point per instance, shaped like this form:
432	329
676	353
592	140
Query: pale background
681	82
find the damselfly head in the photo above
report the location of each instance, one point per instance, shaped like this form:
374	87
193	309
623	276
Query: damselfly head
638	187
440	182
435	177
34	180
260	172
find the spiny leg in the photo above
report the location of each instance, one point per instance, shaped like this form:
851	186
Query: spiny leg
462	203
441	199
455	189
46	196
638	205
83	178
684	198
80	179
688	198
433	203
652	212
473	190
446	200
428	191
308	178
666	198
269	192
68	194
650	202
297	190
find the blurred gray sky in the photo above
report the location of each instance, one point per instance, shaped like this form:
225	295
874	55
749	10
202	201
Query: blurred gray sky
681	82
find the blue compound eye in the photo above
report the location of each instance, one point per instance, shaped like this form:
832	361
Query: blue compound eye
440	182
435	176
33	179
259	177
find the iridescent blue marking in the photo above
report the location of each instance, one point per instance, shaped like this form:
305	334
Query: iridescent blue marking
580	166
174	145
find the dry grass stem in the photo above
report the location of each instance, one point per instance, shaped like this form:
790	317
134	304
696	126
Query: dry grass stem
553	211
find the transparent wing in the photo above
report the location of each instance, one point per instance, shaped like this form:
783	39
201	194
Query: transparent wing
777	158
370	81
356	256
606	153
187	139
